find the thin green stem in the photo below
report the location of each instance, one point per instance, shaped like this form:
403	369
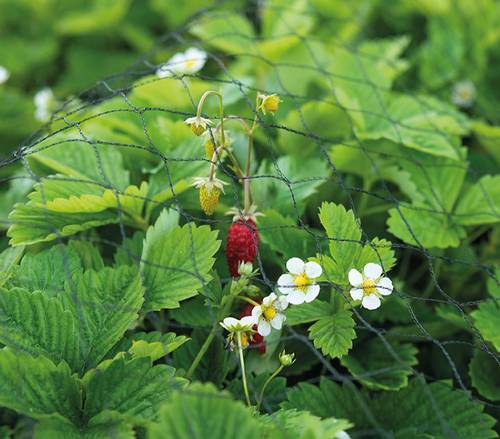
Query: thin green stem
243	373
268	381
247	299
202	351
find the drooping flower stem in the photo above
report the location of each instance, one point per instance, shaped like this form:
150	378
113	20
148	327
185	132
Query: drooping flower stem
268	381
221	110
243	373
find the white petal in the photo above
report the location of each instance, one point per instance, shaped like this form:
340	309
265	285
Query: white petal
163	72
356	293
285	283
248	321
384	286
295	265
282	303
355	277
268	300
264	328
229	323
371	302
256	312
296	297
312	293
313	270
372	271
277	321
342	435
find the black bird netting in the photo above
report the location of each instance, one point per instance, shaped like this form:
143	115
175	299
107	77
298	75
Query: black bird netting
348	156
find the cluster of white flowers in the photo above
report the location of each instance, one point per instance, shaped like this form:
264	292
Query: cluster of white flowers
299	286
296	287
188	62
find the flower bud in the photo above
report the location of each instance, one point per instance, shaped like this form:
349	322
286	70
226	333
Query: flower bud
270	103
245	269
286	359
198	124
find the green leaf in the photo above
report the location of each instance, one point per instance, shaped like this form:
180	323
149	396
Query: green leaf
225	31
105	303
344	234
441	56
429	409
102	426
275	182
378	366
67	154
149	344
487	320
201	408
432	229
130	250
36	387
47	270
176	263
33	323
481	203
89	255
379	251
56	210
293	424
421	123
282	234
483	370
334	334
9	259
133	388
308	312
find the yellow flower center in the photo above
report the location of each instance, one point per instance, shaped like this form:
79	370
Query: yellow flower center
302	282
188	64
369	286
244	339
269	312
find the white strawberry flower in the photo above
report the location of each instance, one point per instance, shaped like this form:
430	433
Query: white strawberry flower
370	286
463	94
190	61
270	314
4	74
198	124
241	329
44	103
298	284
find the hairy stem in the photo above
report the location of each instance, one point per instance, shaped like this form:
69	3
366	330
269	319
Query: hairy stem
268	381
243	373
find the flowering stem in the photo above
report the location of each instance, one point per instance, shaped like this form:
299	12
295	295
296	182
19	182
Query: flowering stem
246	181
221	110
247	299
268	381
243	374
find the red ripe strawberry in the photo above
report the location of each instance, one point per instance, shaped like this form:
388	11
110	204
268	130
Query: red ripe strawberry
257	339
242	243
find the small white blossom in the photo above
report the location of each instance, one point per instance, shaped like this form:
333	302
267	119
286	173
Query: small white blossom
342	435
198	124
298	284
463	94
190	61
369	286
270	314
241	329
4	74
44	102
